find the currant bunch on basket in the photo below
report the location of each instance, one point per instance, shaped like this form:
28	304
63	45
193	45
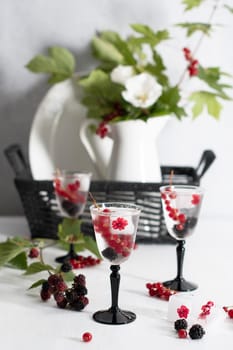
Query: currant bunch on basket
73	297
159	290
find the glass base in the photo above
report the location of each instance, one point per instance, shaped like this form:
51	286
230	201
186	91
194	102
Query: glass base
180	285
114	316
67	257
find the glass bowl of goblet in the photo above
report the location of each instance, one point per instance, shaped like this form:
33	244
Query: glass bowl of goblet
71	190
115	226
181	207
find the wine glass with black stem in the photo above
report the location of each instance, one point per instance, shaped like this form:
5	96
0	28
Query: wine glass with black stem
181	207
115	226
71	190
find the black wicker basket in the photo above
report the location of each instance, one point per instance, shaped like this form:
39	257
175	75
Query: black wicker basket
42	214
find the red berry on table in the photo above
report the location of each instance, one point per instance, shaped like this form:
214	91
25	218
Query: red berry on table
182	333
87	336
230	313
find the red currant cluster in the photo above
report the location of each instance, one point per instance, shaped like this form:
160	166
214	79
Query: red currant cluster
206	309
70	192
119	244
228	310
174	213
193	63
159	290
102	130
73	297
81	262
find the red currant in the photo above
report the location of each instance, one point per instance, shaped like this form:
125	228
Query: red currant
230	313
87	336
182	333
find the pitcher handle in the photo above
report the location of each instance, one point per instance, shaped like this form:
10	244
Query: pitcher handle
99	150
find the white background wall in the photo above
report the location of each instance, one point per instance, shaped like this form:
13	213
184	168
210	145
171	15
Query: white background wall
29	27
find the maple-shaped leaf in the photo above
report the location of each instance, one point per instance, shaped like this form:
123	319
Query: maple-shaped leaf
211	76
190	4
205	99
193	27
148	36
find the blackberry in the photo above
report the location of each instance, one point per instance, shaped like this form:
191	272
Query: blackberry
45	286
180	324
80	290
109	253
71	295
196	331
59	296
66	267
45	294
77	305
62	304
80	279
190	223
70	208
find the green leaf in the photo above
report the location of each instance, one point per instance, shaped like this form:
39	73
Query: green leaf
8	251
37	283
70	229
205	99
229	8
91	245
211	76
148	35
194	27
64	59
68	276
38	267
105	51
190	4
42	64
20	261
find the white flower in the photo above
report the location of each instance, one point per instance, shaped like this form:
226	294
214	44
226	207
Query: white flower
142	90
121	74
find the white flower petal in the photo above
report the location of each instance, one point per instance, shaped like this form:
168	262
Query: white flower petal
142	90
121	74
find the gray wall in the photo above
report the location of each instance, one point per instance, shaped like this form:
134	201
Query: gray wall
29	27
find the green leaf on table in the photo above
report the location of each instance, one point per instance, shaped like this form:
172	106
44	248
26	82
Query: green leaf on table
190	4
91	245
229	8
37	283
20	261
9	250
194	27
205	99
38	267
60	63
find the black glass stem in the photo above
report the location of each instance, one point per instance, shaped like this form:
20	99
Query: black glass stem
179	283
70	255
114	315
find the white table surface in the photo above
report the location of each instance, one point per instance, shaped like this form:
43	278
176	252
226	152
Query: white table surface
28	323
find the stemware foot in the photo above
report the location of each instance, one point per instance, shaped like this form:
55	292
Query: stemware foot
180	285
70	255
111	316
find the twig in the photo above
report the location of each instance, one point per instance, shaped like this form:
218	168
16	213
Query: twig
94	201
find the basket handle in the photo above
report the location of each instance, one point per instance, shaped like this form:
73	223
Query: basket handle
15	157
206	160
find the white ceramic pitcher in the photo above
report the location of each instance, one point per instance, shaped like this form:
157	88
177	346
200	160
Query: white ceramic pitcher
129	153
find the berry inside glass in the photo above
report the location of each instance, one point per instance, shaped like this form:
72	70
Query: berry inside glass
115	226
181	207
71	189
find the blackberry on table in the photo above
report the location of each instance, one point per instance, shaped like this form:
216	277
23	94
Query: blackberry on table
181	324
196	331
66	267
